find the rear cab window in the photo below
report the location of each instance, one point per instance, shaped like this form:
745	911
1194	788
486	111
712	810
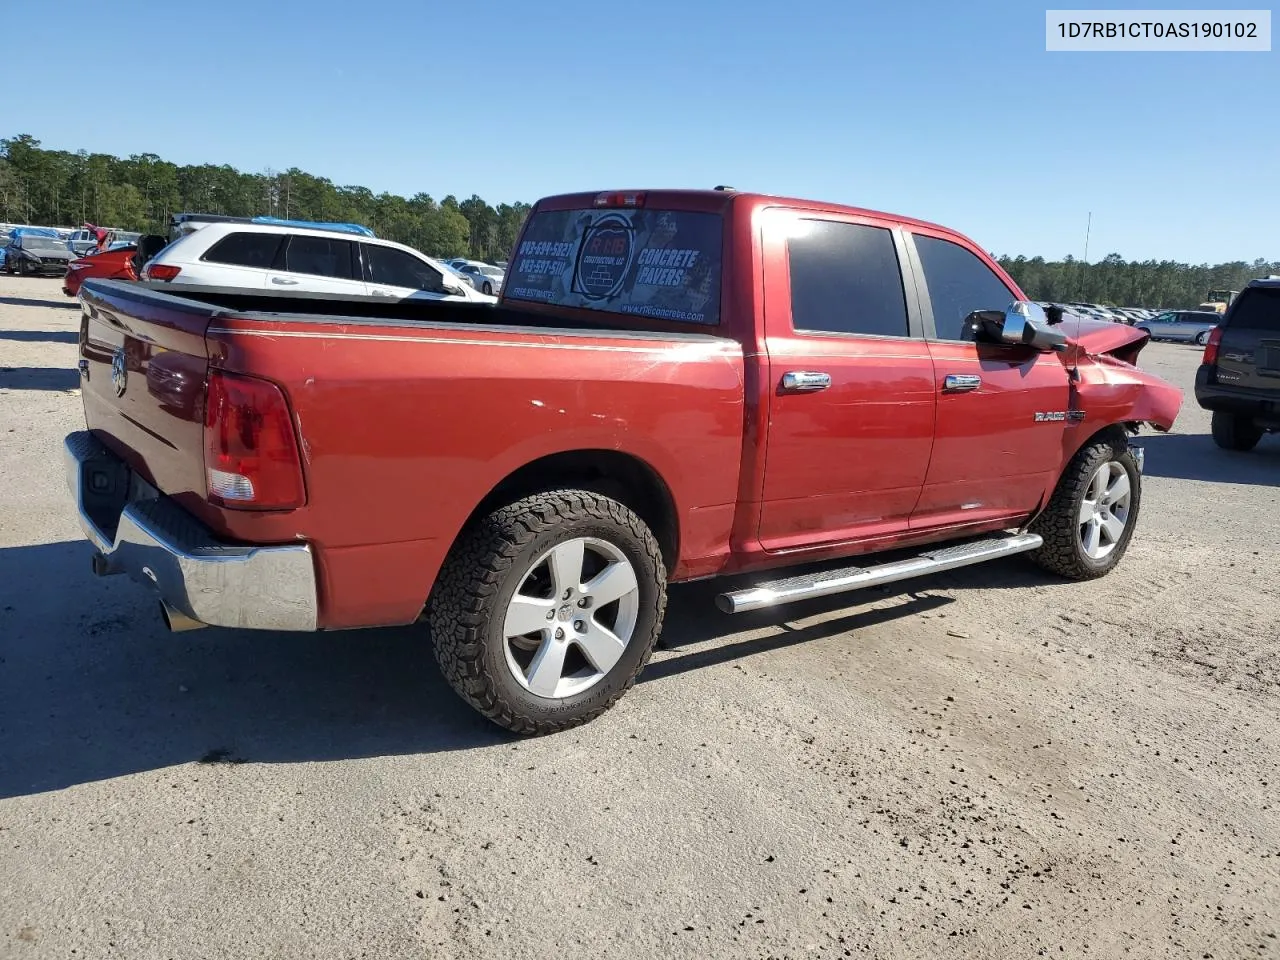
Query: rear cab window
642	261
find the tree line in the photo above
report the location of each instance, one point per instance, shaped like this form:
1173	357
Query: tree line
1116	282
60	188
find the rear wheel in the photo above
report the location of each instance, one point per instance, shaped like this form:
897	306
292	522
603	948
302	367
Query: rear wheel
1091	516
1202	338
547	610
1234	433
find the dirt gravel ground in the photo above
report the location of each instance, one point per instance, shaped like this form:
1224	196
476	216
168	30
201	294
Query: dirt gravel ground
991	764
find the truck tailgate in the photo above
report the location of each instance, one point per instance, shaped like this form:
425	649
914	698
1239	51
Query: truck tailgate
143	364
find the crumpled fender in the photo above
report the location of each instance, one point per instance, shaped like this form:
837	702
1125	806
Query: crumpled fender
1109	389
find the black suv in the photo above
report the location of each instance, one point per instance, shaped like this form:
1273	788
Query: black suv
1239	377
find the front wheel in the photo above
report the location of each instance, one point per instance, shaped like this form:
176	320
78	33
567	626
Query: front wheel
1202	338
488	289
547	609
1091	516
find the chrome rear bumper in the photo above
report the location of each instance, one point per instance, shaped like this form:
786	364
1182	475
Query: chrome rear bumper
143	533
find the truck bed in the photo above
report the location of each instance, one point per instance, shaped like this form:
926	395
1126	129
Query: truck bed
406	415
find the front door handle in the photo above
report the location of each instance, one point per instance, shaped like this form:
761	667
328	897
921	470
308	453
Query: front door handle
961	382
284	281
805	381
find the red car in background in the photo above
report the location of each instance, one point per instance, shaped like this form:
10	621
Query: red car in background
111	265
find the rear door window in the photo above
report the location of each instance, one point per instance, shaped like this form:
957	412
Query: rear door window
245	250
845	278
320	256
664	264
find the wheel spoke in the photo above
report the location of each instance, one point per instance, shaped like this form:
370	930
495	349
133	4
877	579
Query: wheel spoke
1087	509
527	615
1119	488
612	583
547	667
601	646
1092	536
566	566
1112	528
1098	485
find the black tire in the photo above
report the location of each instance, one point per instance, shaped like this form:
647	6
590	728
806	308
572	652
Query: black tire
488	288
1202	338
1059	524
1235	433
482	573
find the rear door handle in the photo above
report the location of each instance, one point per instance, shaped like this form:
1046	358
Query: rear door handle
283	280
805	381
961	382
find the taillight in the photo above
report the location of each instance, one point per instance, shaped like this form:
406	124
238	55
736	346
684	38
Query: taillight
628	199
251	454
1211	346
160	271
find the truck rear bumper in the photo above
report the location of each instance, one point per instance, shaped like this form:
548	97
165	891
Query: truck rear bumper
145	534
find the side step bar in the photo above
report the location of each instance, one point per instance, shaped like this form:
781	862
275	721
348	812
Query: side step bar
777	592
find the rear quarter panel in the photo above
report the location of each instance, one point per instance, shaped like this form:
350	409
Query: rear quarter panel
404	429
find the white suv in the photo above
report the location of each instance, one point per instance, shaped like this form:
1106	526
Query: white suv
254	256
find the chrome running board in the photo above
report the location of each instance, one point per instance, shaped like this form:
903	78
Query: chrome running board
828	582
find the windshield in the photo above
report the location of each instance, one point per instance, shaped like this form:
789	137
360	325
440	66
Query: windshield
491	271
41	243
651	263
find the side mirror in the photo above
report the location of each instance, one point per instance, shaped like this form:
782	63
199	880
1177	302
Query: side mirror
1026	323
1022	323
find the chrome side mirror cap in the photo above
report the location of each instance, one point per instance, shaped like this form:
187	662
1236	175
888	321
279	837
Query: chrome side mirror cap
1027	324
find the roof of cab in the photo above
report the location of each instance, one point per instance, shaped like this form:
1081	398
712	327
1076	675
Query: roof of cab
713	199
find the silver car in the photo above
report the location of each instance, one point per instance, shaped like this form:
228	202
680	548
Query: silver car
484	277
1187	326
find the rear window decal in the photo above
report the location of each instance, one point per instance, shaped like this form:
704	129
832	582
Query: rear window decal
654	263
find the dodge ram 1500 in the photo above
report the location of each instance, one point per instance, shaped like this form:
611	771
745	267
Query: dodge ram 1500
674	385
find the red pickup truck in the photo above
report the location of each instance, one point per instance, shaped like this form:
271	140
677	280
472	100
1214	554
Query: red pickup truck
675	385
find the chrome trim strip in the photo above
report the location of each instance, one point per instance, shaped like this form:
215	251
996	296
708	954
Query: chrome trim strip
163	547
705	349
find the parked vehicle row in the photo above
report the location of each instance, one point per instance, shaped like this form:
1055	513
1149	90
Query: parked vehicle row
752	383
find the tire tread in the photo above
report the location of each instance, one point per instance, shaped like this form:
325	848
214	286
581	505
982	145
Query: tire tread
474	572
1057	523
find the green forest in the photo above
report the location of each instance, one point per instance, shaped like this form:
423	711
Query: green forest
60	188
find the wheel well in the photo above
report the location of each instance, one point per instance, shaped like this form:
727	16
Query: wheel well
625	478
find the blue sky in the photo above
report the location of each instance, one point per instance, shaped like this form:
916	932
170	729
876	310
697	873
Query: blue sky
952	112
